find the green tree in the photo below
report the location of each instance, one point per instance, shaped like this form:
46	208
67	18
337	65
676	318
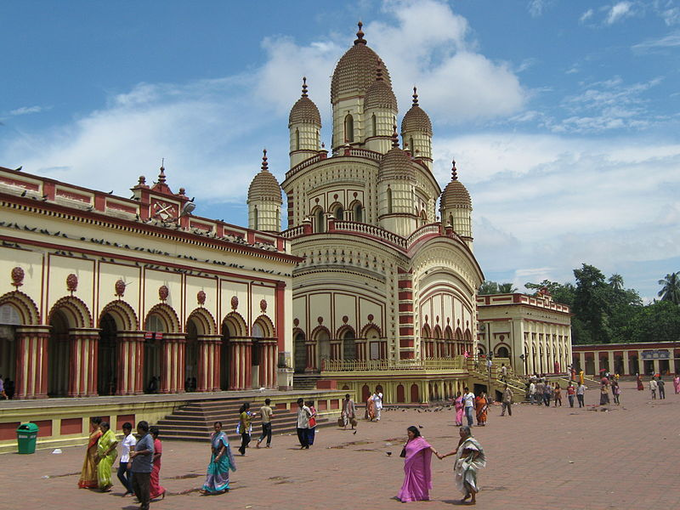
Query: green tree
658	322
506	288
616	282
488	287
561	293
592	305
670	290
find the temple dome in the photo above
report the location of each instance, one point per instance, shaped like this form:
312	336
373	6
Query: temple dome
416	119
396	164
264	185
355	71
380	95
455	195
304	111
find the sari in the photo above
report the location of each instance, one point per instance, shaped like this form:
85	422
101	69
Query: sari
676	384
417	471
106	461
155	486
88	475
640	386
481	406
466	465
217	479
459	405
370	408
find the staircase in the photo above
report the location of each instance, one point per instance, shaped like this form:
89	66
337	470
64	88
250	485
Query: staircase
194	421
305	381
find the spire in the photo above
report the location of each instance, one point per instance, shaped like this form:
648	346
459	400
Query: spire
161	175
265	165
360	35
415	96
304	86
395	138
454	171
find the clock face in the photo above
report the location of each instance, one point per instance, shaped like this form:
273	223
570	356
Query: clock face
164	210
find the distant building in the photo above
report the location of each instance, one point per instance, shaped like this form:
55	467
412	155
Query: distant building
102	295
385	295
628	359
532	332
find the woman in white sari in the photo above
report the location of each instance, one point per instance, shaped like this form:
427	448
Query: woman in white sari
469	458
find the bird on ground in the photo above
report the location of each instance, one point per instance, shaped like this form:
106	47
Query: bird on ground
389	453
354	433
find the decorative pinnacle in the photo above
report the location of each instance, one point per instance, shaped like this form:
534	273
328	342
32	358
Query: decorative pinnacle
304	86
265	165
454	171
161	175
415	96
360	35
395	138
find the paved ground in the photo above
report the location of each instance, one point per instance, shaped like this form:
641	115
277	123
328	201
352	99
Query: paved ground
540	458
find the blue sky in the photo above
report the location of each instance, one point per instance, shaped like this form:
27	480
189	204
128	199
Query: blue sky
563	116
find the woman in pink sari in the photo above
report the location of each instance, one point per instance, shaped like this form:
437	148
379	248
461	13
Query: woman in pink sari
676	383
156	491
417	471
459	405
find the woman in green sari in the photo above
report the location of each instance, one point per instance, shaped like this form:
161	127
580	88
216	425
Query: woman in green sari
106	455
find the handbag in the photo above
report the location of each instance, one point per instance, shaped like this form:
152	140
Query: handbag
403	452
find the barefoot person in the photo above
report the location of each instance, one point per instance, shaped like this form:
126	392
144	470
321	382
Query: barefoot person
469	459
106	456
417	471
221	461
88	475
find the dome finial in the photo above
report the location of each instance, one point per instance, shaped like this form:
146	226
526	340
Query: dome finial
265	165
415	96
395	138
304	86
454	171
161	175
360	35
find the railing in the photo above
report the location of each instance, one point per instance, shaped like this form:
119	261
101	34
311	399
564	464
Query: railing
373	231
307	162
294	232
349	365
422	232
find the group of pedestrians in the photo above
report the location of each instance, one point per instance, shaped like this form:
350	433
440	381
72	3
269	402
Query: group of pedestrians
469	406
140	461
541	391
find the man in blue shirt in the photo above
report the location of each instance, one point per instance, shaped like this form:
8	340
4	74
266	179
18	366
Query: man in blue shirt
142	465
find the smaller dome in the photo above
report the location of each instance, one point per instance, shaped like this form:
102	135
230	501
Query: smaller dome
455	195
380	94
264	185
304	111
416	119
396	164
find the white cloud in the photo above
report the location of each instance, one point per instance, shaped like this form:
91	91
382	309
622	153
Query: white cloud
586	16
26	110
668	41
538	7
619	11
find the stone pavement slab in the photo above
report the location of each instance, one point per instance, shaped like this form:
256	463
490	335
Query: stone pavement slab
540	458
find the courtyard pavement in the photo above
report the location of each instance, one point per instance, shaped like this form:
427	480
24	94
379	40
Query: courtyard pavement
624	457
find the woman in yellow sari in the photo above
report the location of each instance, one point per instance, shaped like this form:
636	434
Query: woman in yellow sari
106	455
88	475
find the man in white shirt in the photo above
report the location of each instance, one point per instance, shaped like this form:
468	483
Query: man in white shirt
532	392
304	413
378	403
126	445
469	399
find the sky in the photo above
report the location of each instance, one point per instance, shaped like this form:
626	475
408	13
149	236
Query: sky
563	116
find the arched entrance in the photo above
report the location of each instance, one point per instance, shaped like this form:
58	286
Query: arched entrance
300	352
256	354
191	354
323	342
503	352
233	328
9	320
107	363
58	355
349	345
153	350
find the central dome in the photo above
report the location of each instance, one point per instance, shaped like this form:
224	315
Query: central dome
355	71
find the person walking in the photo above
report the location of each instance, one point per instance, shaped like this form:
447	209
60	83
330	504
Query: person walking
469	403
106	456
88	475
311	430
481	408
378	400
266	416
616	392
571	393
676	383
532	392
155	488
459	406
349	413
370	407
126	445
417	455
469	460
221	462
245	426
142	465
507	401
558	394
540	389
604	395
580	395
653	387
303	416
638	380
661	386
547	393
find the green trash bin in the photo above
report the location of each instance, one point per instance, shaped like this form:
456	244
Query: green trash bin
27	435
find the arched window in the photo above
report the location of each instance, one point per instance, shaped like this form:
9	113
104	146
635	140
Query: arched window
389	200
255	218
339	212
423	218
349	129
374	124
319	217
278	219
358	213
297	139
412	147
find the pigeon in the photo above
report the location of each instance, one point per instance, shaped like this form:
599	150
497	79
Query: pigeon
24	193
389	454
354	433
19	170
420	426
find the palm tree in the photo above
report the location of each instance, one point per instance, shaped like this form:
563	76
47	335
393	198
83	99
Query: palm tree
670	290
616	281
506	288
